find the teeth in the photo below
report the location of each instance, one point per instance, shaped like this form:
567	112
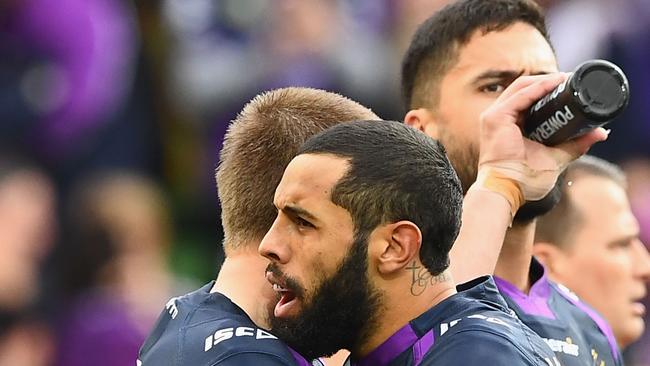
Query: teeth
277	287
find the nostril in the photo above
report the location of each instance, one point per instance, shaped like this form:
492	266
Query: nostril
272	256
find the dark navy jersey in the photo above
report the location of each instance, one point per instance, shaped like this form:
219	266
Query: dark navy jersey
205	329
472	327
577	334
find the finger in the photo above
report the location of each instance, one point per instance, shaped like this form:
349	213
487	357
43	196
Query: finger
524	98
573	149
525	81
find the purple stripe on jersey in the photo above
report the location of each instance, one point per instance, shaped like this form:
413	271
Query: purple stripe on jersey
421	347
536	302
391	348
299	359
600	322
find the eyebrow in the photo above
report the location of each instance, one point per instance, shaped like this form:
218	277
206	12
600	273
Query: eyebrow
297	211
505	74
625	238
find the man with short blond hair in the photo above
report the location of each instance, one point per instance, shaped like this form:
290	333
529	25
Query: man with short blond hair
225	322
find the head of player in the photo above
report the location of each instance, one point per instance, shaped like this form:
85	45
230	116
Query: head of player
228	319
259	144
366	215
590	243
459	62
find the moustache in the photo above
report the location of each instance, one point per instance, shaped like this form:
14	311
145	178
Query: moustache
286	281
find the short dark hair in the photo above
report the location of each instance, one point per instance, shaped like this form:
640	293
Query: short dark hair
558	225
396	173
436	43
259	145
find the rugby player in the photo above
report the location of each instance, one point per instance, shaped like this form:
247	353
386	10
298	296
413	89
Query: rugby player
589	242
226	321
460	61
367	214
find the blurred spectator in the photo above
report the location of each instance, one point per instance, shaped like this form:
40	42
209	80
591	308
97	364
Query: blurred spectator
117	274
26	234
27	342
26	230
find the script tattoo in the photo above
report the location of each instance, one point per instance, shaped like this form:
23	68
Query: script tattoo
421	278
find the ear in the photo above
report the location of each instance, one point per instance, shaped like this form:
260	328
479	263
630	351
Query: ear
395	246
551	257
423	120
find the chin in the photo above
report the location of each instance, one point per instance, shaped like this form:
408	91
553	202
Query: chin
631	333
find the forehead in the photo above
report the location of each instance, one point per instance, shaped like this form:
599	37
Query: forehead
603	202
518	47
310	177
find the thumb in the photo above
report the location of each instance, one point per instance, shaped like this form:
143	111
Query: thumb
568	151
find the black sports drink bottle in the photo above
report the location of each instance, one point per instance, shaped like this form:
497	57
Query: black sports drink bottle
591	97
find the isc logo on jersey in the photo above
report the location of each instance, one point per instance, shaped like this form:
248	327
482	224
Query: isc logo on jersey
228	333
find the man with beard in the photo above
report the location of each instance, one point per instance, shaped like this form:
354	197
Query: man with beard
590	243
225	322
367	214
459	62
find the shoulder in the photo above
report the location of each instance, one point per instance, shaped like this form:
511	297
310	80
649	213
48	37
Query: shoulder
191	333
491	337
482	320
587	321
480	345
219	340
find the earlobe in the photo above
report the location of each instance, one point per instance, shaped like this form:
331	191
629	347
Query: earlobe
402	241
423	120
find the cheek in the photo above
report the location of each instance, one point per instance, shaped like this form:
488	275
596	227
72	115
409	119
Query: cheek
462	124
604	280
607	271
589	276
319	268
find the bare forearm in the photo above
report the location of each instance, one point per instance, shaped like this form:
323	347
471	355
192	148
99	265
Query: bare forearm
486	217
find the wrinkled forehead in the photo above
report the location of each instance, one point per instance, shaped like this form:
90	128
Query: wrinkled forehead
517	47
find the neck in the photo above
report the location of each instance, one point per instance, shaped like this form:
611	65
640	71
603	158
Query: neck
516	254
242	280
406	298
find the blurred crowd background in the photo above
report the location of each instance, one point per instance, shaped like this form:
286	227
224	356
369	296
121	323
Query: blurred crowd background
111	119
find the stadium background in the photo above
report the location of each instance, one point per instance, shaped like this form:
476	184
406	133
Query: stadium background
123	105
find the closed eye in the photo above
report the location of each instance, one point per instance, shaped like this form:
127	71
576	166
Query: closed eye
622	244
302	222
299	216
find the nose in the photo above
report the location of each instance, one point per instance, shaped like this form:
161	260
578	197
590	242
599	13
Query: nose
642	261
273	245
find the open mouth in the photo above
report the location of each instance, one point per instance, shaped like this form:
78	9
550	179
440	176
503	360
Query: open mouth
288	303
